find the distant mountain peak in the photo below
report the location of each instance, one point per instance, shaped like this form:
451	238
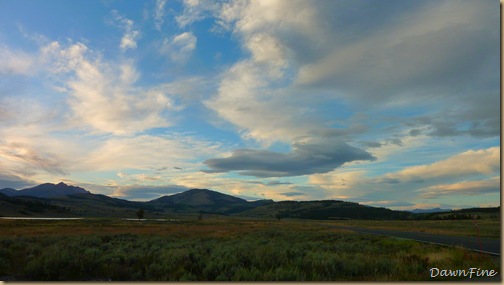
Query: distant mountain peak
200	197
46	190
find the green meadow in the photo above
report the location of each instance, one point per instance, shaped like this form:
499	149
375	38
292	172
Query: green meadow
222	249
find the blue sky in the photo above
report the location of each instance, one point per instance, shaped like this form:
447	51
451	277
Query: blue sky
385	103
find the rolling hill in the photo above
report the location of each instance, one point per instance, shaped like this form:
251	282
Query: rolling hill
324	210
200	197
204	200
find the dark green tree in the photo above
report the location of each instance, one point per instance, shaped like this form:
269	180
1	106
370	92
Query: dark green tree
140	214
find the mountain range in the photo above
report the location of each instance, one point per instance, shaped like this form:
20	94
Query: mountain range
46	190
62	200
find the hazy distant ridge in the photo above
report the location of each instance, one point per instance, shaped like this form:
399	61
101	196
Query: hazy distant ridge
46	190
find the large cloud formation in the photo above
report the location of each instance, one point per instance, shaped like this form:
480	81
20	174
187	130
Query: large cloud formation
306	158
436	61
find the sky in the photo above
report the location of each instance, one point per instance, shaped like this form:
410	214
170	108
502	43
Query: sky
386	103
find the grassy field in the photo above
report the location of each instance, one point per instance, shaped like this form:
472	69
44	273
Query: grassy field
216	249
487	228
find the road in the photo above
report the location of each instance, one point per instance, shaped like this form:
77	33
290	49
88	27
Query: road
485	245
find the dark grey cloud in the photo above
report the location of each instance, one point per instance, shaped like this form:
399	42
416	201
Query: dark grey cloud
478	117
292	194
274	183
390	181
307	158
415	132
340	132
418	55
254	182
371	144
341	22
270	183
10	181
396	141
413	58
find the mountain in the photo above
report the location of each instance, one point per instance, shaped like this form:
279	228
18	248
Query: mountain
74	205
46	190
434	210
8	192
200	197
201	200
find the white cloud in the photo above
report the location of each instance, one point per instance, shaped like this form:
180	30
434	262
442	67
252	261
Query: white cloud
159	13
345	184
131	35
180	47
401	58
147	152
18	155
59	59
255	94
195	10
69	127
103	95
15	62
31	154
471	162
471	188
244	100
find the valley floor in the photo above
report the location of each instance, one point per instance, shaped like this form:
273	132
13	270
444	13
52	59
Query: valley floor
215	248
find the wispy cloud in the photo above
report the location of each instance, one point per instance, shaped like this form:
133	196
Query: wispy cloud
159	12
147	152
103	95
195	10
131	35
179	47
15	62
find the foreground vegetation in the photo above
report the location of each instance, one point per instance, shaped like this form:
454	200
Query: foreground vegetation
215	249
